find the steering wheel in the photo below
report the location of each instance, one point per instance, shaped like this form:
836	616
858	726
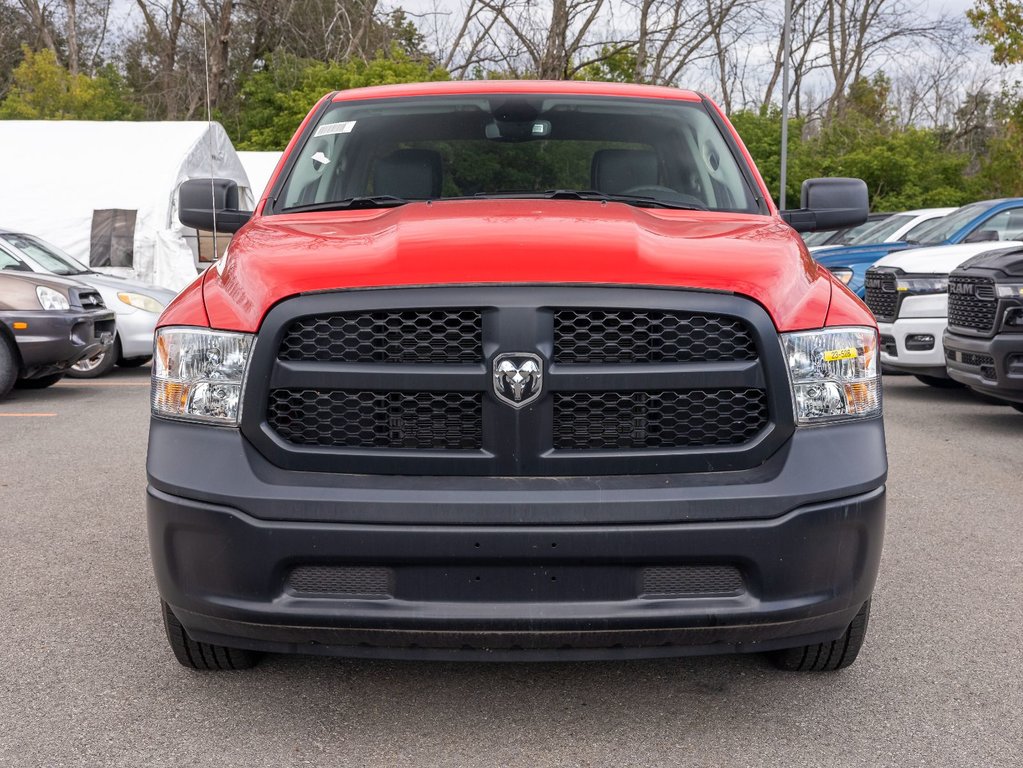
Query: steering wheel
667	194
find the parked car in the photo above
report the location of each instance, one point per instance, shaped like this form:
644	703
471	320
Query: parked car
984	338
47	324
908	294
832	238
136	305
891	229
988	221
614	412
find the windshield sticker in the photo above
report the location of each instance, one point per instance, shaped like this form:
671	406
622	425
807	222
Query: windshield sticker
328	129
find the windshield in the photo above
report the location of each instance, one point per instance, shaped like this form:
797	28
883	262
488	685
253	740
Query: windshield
47	256
390	151
880	231
938	231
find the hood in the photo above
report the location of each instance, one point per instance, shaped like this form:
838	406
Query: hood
100	280
940	259
1007	262
848	255
476	242
50	281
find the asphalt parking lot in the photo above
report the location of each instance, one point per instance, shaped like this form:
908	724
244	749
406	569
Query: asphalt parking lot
86	678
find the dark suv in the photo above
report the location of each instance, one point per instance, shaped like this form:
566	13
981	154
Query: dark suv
984	339
47	324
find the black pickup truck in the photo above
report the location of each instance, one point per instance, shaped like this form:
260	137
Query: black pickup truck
984	338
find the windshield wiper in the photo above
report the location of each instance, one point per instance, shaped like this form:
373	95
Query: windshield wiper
641	201
350	203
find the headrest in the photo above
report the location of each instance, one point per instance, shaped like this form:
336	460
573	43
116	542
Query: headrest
616	170
414	174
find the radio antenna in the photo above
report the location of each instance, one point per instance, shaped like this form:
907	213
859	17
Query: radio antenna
209	126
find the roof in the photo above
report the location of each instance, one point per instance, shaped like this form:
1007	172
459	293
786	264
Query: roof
469	87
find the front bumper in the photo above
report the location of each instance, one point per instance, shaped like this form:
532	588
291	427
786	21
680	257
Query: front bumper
928	362
484	567
135	330
56	340
993	366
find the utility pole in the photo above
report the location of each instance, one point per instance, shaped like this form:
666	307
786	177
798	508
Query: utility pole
786	58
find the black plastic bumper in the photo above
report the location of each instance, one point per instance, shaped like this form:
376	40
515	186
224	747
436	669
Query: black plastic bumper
53	341
1002	378
516	567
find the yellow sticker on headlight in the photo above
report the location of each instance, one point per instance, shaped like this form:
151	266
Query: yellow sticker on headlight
832	355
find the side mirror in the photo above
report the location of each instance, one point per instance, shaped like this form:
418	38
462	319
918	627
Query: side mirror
829	204
203	201
982	236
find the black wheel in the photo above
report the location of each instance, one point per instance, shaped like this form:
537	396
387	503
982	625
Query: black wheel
203	656
134	362
938	382
1018	406
97	365
8	367
41	382
825	657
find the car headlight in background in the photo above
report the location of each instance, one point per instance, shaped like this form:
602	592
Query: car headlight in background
843	273
1009	291
199	374
834	374
141	301
51	299
922	284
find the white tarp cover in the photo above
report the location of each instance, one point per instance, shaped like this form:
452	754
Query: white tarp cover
55	174
259	166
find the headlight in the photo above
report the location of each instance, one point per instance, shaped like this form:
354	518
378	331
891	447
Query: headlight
51	299
141	301
199	374
922	285
833	373
1009	290
843	273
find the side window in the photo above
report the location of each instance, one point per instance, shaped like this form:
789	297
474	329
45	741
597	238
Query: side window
1007	225
9	262
112	243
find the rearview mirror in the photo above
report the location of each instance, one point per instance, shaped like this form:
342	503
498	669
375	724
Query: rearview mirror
205	202
829	204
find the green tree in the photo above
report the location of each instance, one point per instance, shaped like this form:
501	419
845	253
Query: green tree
274	100
44	90
999	23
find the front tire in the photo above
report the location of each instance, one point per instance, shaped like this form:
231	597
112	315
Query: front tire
826	657
134	362
8	367
205	657
97	365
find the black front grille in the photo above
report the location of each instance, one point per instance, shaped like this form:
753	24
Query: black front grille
402	381
972	303
90	300
669	419
410	336
881	297
976	359
682	580
398	420
648	336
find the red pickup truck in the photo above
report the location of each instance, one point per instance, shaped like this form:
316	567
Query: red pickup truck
516	370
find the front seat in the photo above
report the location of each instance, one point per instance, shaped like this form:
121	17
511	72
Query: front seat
615	171
412	174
